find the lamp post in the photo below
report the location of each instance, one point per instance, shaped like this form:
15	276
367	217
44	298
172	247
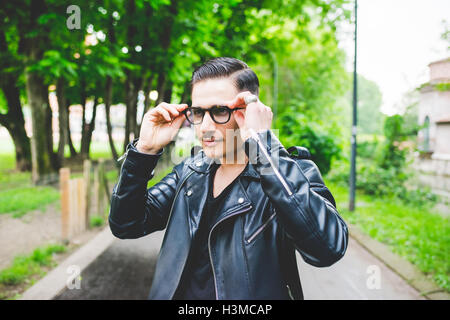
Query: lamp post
354	124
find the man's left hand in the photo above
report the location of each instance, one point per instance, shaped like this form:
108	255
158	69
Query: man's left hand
256	115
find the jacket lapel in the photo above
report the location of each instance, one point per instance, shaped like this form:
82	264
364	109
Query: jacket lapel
197	188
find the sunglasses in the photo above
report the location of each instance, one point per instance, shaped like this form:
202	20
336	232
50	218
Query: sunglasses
219	114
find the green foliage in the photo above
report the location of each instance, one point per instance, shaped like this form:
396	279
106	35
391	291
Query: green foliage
391	155
445	86
24	267
298	131
96	221
383	169
156	44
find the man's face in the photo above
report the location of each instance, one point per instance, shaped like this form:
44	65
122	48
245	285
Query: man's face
213	136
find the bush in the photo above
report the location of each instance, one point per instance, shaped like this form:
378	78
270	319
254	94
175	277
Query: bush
96	221
298	131
382	168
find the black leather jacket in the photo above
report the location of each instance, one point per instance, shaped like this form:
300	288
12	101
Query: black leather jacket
271	211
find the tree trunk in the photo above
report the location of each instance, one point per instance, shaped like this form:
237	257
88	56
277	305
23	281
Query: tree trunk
137	88
108	101
126	139
133	86
73	152
147	88
160	87
14	122
49	130
37	92
186	95
89	128
83	100
62	119
41	161
168	92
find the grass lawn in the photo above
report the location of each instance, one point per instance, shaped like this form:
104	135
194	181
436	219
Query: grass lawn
418	234
25	270
18	196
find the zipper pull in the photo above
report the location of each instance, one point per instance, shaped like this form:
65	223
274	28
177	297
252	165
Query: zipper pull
122	156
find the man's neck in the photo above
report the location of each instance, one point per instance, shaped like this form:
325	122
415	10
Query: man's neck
236	163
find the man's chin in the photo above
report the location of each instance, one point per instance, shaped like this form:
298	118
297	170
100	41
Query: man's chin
212	152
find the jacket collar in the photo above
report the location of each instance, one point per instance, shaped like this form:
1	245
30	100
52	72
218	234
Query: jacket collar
197	187
202	164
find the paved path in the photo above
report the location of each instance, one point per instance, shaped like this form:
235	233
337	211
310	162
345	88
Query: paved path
125	271
353	278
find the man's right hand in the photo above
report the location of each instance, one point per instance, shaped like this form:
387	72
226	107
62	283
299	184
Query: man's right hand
159	126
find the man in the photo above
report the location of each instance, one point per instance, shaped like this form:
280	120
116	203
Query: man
235	212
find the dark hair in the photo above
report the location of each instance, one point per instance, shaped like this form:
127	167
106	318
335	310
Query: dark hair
244	78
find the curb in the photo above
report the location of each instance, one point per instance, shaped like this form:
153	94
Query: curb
402	267
56	280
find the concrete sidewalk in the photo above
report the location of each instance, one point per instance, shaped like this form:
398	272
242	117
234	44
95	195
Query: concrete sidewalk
125	271
354	278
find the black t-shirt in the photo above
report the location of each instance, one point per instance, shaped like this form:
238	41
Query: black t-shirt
197	281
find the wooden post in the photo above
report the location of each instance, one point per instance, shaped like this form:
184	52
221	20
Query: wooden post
87	190
81	209
64	178
96	192
101	187
73	207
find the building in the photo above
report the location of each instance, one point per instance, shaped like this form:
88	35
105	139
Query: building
433	160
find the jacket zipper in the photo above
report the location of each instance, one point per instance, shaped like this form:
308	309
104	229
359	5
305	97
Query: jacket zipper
121	167
176	195
209	244
122	156
260	229
275	169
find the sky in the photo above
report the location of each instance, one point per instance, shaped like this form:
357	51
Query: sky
397	39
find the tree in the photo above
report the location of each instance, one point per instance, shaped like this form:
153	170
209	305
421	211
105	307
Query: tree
142	45
12	89
369	103
11	115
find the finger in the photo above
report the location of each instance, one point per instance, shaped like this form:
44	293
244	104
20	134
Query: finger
178	121
172	110
181	107
164	113
239	101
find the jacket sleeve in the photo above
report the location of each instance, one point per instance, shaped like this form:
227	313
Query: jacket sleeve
136	211
304	205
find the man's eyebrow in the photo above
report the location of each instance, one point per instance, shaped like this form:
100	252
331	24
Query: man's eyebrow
214	105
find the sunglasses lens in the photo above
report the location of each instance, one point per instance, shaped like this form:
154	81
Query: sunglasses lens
194	115
221	114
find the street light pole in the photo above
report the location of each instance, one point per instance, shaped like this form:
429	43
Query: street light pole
354	124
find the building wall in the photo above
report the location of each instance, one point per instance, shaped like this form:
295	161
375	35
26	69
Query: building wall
433	168
434	104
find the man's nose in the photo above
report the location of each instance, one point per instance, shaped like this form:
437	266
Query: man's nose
207	124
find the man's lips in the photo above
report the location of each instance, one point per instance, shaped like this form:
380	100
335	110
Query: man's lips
211	141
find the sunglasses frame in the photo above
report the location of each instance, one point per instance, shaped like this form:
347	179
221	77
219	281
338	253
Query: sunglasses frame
230	111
